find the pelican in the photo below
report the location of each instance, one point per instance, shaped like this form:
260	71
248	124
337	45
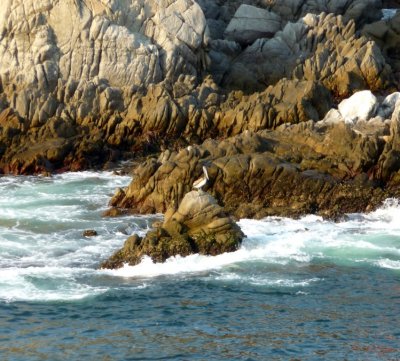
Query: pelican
202	181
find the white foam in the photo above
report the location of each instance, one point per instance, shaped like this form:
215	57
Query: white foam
388	263
274	252
43	255
45	284
176	265
266	280
280	241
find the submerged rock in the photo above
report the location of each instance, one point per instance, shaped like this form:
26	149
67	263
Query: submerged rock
89	233
199	225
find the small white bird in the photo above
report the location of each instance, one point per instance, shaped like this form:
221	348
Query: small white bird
202	181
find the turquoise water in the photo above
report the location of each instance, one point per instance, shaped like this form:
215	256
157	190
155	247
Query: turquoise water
303	289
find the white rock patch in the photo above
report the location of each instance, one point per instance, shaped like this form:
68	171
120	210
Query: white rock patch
360	106
389	103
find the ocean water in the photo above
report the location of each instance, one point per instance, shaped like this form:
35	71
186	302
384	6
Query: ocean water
304	289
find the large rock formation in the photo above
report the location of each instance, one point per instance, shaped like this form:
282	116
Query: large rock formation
198	225
67	68
329	167
220	14
318	47
136	76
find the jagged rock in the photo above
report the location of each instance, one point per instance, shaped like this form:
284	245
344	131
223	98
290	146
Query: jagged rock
361	11
310	167
199	225
122	78
91	58
389	161
386	34
207	110
222	54
288	101
360	106
318	47
219	14
79	72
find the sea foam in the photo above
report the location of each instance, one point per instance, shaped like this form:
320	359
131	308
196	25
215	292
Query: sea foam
362	238
43	255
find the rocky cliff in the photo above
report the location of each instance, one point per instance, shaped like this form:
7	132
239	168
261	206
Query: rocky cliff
85	82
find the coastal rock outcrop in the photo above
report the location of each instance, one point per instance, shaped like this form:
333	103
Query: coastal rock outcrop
220	14
69	77
198	225
328	167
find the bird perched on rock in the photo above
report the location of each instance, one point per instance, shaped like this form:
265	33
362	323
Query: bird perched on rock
202	181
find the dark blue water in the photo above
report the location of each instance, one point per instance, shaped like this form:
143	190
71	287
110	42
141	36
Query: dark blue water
296	290
352	314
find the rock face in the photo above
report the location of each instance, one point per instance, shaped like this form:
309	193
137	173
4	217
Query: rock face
250	23
121	78
68	72
199	225
246	89
343	62
219	14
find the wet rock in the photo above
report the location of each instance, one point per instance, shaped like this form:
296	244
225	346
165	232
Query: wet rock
89	233
199	225
293	170
118	195
114	212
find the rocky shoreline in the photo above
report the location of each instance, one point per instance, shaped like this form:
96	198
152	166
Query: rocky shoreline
291	106
330	167
87	91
